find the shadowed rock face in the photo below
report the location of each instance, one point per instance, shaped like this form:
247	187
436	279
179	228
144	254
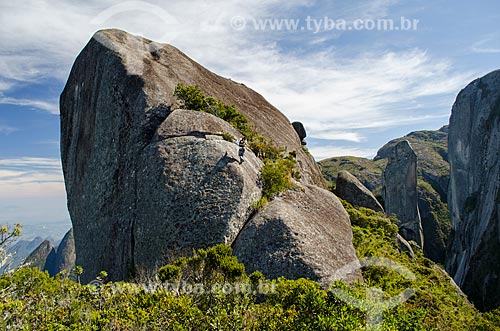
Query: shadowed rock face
301	131
474	193
350	189
147	183
400	191
65	256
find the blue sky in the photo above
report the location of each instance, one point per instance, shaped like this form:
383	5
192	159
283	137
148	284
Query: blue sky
353	90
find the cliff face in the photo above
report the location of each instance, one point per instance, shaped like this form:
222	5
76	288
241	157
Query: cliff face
474	193
147	182
433	172
400	191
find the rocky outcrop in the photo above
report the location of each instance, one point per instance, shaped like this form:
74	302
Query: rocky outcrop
350	189
433	172
300	234
48	258
474	193
65	255
301	131
44	253
400	191
431	148
147	183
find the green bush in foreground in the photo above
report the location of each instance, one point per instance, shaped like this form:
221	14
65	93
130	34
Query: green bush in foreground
31	300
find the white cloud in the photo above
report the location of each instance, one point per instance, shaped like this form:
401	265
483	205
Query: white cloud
488	45
26	162
325	152
31	177
5	129
44	37
345	136
52	108
32	192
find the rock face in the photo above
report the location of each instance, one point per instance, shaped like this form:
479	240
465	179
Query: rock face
350	189
147	183
44	253
65	255
48	258
301	131
433	172
474	194
400	191
293	237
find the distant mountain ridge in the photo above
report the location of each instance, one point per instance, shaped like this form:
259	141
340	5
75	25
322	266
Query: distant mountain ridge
433	172
47	257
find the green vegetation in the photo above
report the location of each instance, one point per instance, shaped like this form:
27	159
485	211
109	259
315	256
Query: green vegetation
192	98
7	236
368	172
437	305
278	169
228	137
260	204
276	176
221	296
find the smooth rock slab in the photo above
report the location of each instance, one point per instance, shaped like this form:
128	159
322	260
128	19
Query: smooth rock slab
351	190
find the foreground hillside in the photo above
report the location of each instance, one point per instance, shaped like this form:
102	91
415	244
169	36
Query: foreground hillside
31	300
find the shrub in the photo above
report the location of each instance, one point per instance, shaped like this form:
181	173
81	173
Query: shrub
260	204
276	176
205	265
191	97
228	137
264	149
169	273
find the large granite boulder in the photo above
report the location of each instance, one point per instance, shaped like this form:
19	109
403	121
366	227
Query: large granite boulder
400	191
303	233
350	189
474	193
301	131
147	183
